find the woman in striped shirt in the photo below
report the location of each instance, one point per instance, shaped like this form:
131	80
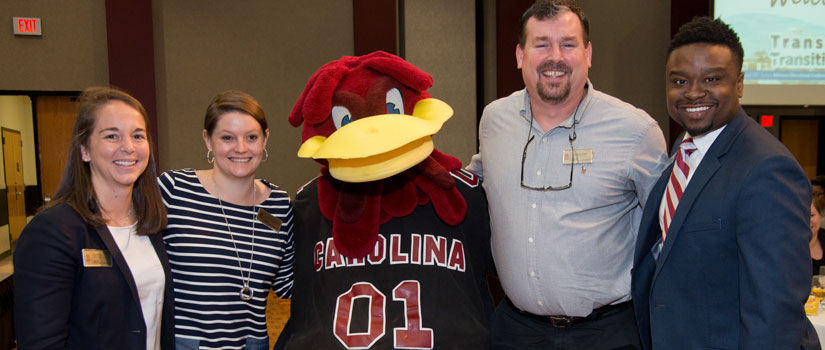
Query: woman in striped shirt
229	236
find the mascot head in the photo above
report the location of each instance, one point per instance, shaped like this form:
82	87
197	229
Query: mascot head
370	121
368	117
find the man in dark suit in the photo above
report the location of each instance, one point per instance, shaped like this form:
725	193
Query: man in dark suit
722	255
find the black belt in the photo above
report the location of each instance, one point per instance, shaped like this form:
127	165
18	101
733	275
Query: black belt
562	321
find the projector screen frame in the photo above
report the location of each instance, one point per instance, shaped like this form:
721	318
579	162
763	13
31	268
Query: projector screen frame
778	94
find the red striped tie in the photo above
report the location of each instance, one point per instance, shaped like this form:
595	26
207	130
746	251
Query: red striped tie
677	183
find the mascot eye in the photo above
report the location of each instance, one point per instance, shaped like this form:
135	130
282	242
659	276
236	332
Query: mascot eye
341	116
395	103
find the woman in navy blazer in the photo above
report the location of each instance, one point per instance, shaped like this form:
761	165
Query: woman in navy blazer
91	271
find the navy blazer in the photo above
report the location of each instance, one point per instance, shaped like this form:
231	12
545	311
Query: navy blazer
60	304
735	271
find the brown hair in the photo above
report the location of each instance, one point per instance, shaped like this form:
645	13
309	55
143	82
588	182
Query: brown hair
232	100
548	9
75	188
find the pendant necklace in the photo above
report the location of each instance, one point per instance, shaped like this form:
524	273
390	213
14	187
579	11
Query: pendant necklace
245	292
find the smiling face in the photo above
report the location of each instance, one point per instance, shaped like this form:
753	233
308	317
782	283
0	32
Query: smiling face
238	143
117	149
703	86
554	60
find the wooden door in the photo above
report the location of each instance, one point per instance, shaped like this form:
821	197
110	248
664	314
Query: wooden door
15	189
55	119
801	136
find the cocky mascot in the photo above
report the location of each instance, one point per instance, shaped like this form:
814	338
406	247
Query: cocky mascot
392	239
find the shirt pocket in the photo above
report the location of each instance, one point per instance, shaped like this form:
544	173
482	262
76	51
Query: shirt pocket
714	224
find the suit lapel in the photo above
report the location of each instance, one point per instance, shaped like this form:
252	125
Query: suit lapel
707	168
119	261
711	163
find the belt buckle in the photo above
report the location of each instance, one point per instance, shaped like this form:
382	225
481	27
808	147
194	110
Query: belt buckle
560	321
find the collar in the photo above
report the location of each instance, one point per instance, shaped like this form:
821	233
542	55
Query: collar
704	142
577	115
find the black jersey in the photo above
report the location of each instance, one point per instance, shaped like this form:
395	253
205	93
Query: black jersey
423	286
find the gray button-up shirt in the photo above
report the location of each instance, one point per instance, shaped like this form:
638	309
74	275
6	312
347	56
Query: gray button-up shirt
570	251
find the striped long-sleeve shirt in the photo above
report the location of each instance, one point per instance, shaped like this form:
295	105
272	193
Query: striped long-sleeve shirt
204	260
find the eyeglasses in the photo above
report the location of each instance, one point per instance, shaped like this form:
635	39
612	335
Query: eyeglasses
571	138
572	162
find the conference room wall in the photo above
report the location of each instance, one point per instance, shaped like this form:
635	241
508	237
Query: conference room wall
266	48
630	41
440	39
69	56
270	49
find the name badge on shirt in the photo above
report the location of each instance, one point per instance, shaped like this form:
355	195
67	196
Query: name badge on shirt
582	156
267	219
96	258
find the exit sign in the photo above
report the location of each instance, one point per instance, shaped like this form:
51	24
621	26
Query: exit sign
766	120
27	25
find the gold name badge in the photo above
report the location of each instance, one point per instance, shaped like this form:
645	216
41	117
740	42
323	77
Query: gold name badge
96	258
582	156
267	219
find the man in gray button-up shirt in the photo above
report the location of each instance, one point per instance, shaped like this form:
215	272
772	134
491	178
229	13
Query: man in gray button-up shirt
566	169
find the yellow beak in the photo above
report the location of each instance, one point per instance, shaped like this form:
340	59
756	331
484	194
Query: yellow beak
380	146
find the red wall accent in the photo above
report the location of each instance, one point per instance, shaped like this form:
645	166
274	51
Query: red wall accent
681	12
375	26
508	15
132	54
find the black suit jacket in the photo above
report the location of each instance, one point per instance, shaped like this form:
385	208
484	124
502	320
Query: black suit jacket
734	271
60	304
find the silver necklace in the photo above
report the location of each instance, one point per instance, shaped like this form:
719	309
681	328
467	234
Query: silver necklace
245	292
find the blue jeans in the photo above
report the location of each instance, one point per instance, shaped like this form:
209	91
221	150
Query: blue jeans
192	344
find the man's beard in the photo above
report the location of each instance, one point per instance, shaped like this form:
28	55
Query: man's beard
544	93
557	98
693	132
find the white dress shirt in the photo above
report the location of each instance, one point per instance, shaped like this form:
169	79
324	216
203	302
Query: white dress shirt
149	278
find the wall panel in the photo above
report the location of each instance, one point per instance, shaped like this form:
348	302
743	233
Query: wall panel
440	39
266	48
69	56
